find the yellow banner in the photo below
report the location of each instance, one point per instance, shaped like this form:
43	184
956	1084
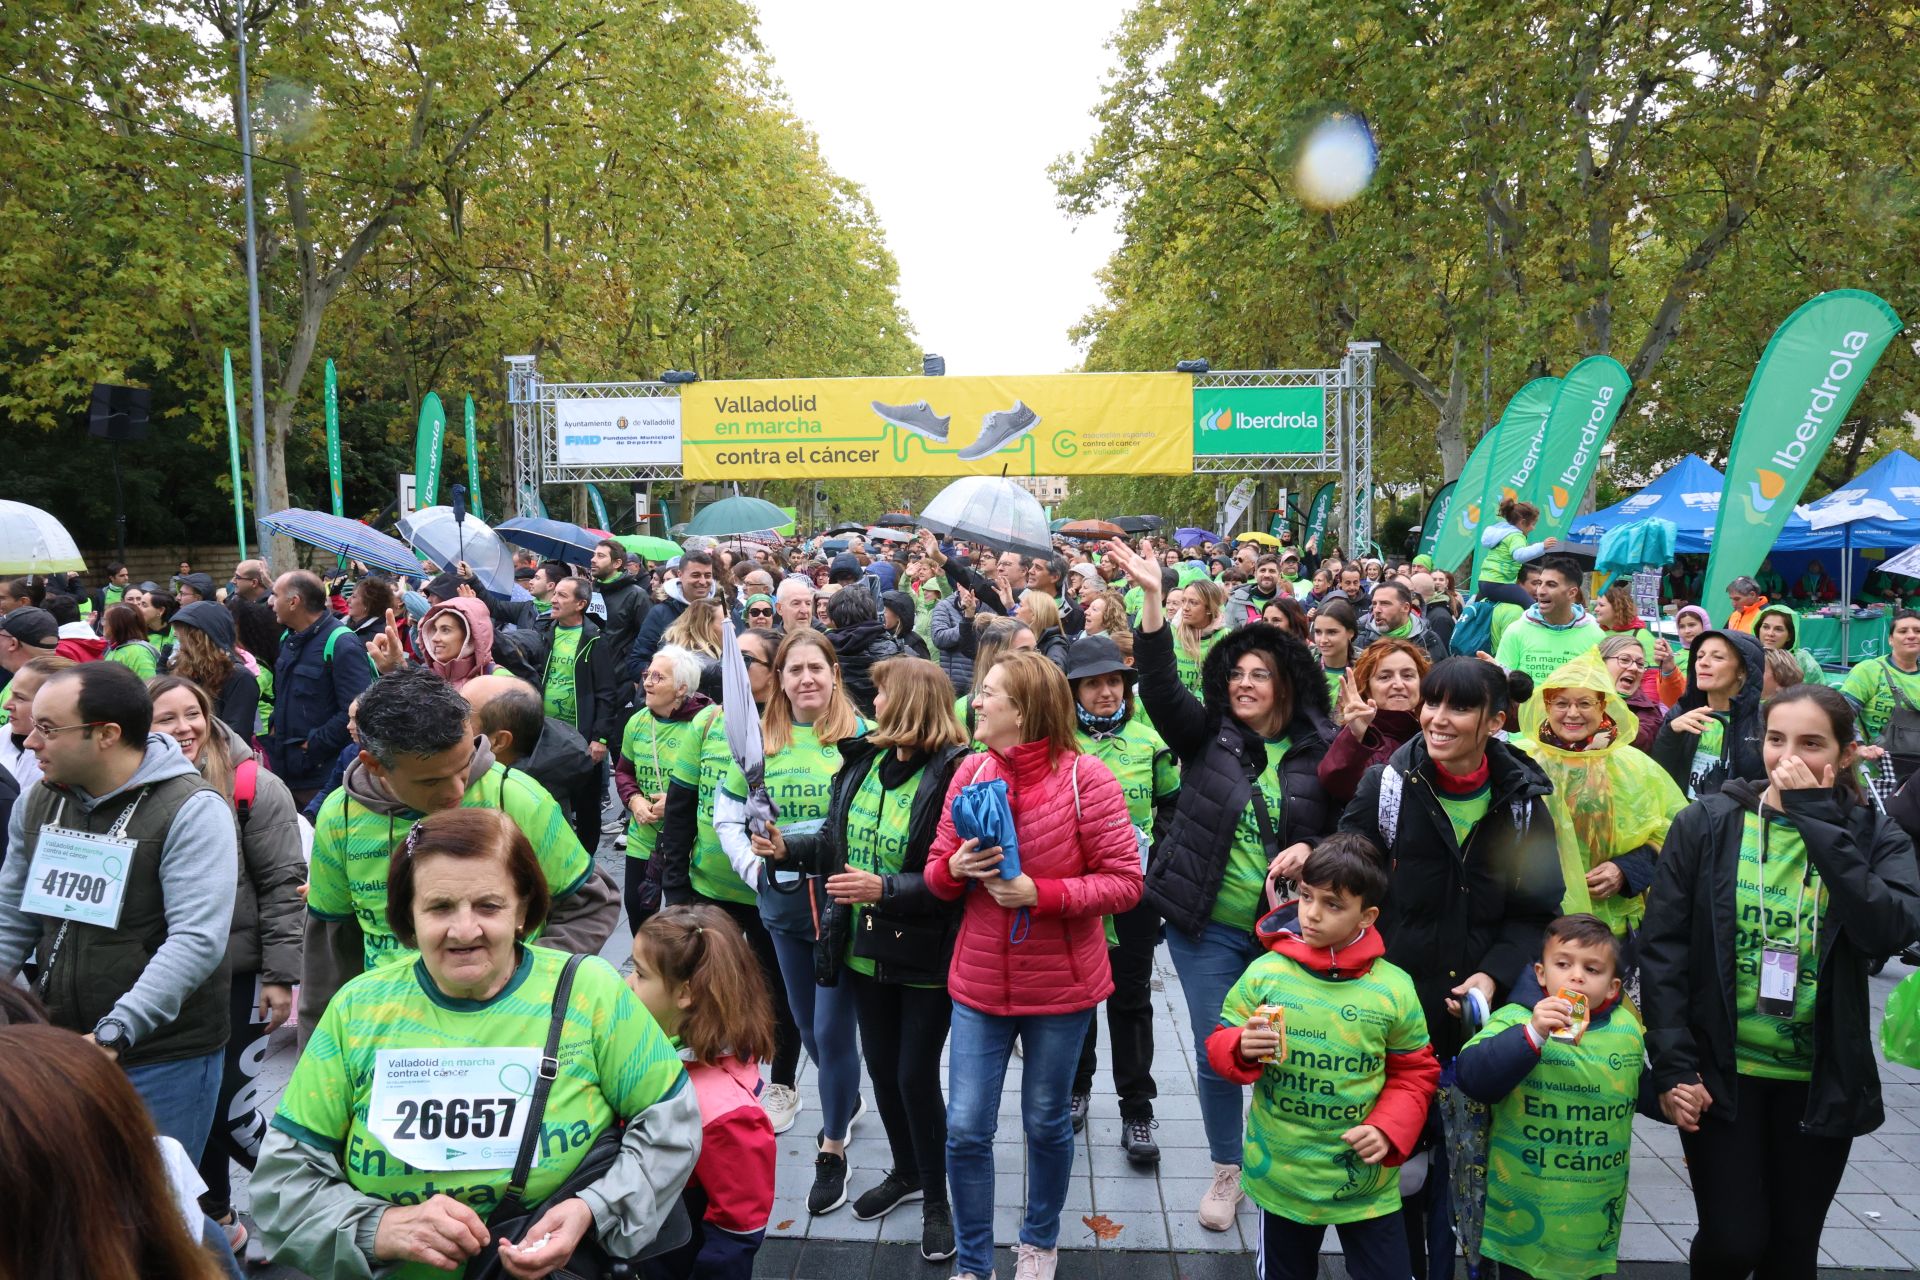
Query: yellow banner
1045	425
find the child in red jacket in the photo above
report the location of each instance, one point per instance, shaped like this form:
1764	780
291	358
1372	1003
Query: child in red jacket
1332	1038
695	972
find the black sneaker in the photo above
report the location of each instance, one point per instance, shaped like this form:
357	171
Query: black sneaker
894	1190
1082	1102
1136	1139
936	1231
829	1183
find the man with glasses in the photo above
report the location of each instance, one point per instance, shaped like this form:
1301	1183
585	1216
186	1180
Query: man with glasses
251	582
120	876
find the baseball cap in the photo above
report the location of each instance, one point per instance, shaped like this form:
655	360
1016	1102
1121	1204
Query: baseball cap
31	625
1084	571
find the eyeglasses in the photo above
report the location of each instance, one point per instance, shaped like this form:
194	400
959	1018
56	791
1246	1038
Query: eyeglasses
55	730
1254	675
751	661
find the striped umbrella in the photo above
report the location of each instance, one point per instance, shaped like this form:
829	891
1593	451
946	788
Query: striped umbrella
344	537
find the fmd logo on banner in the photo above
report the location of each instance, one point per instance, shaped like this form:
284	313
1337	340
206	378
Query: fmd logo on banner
629	432
1230	420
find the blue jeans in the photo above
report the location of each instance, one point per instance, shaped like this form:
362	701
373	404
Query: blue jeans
181	1097
977	1057
829	1031
1208	968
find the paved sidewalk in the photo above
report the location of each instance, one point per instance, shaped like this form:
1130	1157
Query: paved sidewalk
1121	1221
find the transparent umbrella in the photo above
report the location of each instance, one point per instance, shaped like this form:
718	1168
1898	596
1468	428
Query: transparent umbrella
435	534
31	541
992	511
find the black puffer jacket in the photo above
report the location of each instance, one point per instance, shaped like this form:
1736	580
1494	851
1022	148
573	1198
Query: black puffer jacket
1740	753
1452	912
901	602
1219	758
903	894
859	647
1687	955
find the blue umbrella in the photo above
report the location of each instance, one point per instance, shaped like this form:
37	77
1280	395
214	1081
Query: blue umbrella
344	537
736	515
549	539
1191	537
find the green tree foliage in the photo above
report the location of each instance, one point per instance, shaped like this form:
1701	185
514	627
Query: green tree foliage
615	187
1660	182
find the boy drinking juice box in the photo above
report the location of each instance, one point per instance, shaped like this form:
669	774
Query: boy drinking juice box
1563	1099
1342	1099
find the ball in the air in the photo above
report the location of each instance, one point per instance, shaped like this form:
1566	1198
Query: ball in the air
1336	162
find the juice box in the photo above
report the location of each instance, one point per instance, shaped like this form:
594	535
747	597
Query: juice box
1571	1034
1274	1016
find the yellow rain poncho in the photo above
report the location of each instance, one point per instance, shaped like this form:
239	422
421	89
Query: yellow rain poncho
1610	802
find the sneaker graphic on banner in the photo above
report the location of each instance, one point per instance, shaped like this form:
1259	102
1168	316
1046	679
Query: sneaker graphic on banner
917	417
1000	429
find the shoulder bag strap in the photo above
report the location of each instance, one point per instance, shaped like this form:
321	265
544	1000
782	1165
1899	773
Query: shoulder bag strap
1269	838
543	1083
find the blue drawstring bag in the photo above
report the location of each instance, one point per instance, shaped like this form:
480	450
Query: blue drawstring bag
981	812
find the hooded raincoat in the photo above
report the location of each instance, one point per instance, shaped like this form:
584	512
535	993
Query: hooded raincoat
1810	668
1610	801
476	656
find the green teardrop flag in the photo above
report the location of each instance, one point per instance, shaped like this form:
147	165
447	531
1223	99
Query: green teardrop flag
599	506
1807	378
1578	424
1436	516
335	488
1460	531
233	457
1513	459
427	444
473	466
1318	514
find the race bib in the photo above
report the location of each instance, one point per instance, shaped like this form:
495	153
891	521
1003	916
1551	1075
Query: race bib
1704	763
77	876
445	1109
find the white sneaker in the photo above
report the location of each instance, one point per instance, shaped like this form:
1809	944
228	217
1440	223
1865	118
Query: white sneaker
968	1275
1222	1199
782	1105
1031	1262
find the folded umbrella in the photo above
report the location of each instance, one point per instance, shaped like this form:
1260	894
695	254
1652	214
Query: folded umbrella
344	537
982	811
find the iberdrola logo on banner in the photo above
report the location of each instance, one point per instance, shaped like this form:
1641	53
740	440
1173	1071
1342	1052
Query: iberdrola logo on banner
1475	494
1806	381
1577	427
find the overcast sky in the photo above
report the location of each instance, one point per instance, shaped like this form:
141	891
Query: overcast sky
949	115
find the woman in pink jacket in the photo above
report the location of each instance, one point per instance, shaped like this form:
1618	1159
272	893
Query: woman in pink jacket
1031	958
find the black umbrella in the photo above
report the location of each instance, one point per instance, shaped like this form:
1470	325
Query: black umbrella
846	527
898	520
1139	524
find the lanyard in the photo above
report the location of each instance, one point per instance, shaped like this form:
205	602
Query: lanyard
117	831
1800	899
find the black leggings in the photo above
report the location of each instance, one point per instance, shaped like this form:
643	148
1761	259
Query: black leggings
633	893
238	1125
786	1032
1129	1016
1504	593
902	1031
1761	1186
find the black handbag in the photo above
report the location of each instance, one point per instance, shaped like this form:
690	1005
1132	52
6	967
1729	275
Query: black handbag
914	943
512	1218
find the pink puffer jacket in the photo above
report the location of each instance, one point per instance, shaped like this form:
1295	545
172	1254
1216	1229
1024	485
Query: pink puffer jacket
1083	867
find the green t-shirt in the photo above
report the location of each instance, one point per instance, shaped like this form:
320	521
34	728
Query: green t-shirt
1504	616
798	779
702	761
1243	887
1142	763
878	821
560	701
1706	756
614	1064
138	657
1540	650
352	846
1339	1034
1557	1151
1783	909
1187	666
1499	565
1872	685
1333	678
1464	812
651	746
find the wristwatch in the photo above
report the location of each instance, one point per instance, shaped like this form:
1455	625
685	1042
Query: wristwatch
111	1033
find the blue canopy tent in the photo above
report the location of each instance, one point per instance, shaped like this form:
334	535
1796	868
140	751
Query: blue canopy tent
1893	481
1686	494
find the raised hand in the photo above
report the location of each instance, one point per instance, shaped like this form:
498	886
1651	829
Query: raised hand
1356	709
388	654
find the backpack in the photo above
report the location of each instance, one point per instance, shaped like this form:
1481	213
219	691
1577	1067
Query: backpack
1473	629
521	652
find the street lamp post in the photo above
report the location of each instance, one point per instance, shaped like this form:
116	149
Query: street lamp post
260	511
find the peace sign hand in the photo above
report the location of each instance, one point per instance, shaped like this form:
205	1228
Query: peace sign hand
1356	710
385	649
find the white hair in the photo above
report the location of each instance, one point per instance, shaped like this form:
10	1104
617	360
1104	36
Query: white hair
683	667
791	587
